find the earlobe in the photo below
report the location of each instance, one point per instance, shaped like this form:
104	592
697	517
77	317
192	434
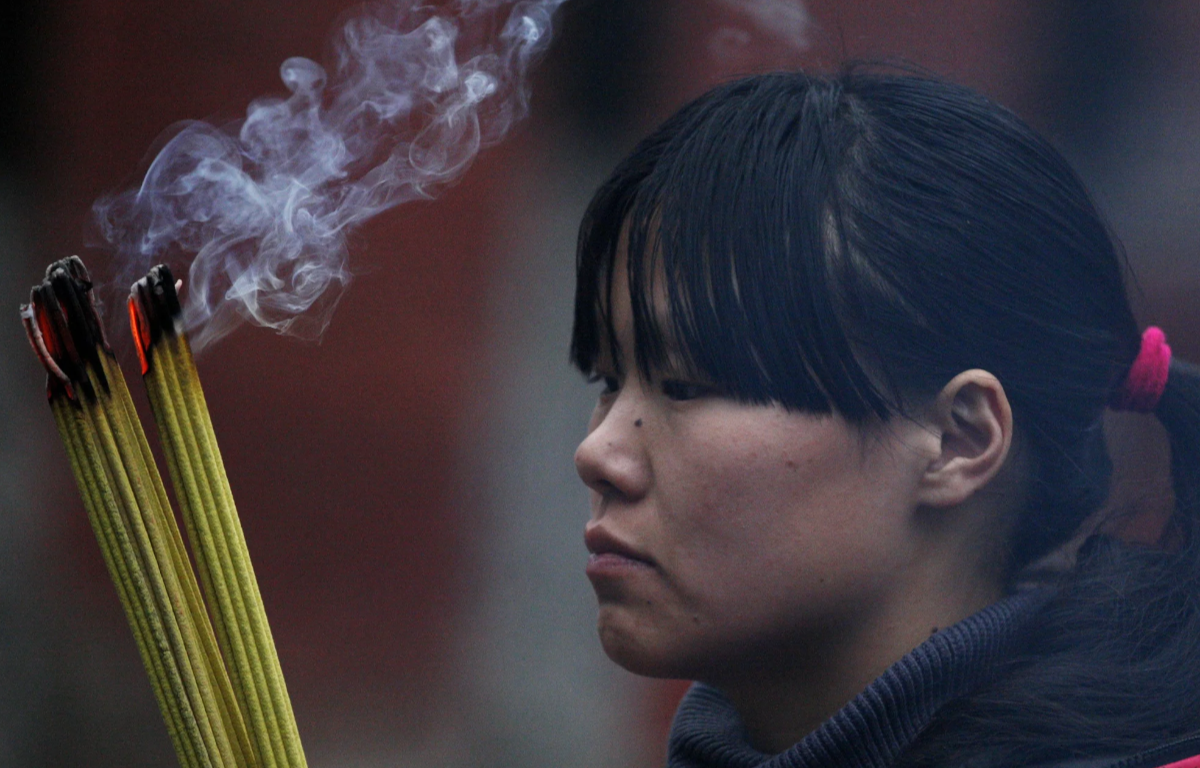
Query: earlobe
974	417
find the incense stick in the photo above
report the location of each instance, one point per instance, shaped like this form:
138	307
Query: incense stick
214	561
238	748
128	509
194	460
101	508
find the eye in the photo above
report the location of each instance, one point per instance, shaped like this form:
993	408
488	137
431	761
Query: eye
611	383
677	389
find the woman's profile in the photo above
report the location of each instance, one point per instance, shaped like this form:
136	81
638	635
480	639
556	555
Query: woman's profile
856	335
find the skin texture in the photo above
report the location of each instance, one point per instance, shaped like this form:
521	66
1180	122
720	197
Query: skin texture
787	558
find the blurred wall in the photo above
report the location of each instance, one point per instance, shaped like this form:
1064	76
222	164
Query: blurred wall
406	484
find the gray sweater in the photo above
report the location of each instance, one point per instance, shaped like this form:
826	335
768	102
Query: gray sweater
873	729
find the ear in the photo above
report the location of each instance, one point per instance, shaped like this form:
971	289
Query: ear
975	421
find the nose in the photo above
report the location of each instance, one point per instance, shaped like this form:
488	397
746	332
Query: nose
613	459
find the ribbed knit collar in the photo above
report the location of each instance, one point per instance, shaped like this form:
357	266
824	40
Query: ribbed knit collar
873	729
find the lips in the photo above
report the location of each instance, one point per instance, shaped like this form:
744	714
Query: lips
609	556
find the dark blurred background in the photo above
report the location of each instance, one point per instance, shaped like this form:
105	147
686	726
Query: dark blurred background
406	484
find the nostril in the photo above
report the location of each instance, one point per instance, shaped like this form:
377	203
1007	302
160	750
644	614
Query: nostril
606	488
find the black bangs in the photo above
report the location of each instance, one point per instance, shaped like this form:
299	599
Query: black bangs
851	243
731	212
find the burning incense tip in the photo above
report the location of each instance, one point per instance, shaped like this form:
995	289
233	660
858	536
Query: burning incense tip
213	667
154	310
65	330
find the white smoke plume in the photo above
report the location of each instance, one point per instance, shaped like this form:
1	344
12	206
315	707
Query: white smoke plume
787	21
263	206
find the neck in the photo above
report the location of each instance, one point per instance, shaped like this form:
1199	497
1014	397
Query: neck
782	701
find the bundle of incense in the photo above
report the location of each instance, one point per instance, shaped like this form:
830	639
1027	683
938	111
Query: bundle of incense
133	522
216	715
212	522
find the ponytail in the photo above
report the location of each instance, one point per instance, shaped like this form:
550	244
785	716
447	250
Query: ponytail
848	244
1112	664
1179	411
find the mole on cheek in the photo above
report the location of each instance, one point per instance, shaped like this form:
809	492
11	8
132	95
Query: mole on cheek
637	423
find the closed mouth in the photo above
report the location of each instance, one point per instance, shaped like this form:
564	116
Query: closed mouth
603	545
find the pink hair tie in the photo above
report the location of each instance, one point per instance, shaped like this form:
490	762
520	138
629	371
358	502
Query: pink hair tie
1147	376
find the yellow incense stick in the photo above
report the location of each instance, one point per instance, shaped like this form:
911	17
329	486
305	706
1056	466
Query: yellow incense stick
215	565
130	513
177	400
101	508
130	481
66	334
232	735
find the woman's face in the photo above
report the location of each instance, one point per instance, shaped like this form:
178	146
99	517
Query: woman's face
724	534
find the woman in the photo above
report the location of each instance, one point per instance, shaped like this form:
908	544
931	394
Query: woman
856	336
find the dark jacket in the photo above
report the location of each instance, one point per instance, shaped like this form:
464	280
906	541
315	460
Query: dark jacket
1183	753
880	724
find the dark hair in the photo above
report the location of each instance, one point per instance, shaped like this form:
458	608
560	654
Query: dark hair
850	244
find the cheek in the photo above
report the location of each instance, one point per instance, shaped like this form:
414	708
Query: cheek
781	523
767	528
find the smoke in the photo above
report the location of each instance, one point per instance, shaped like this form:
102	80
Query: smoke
263	205
786	21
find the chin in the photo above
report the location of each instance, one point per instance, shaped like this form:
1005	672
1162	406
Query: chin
640	649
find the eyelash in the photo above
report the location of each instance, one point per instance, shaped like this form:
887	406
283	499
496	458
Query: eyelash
611	383
674	389
678	390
